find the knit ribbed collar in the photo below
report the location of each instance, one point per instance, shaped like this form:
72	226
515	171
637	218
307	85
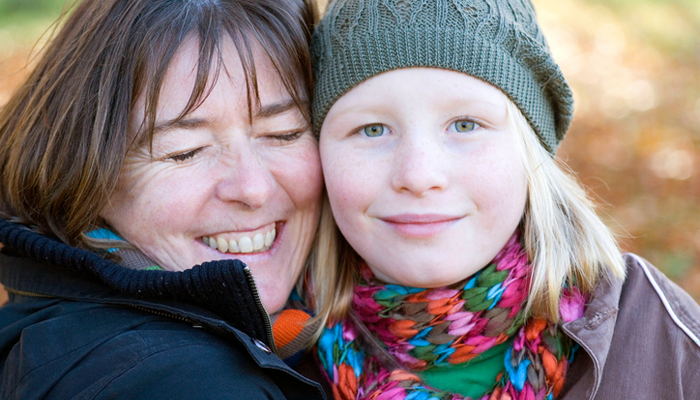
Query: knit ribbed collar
210	292
291	329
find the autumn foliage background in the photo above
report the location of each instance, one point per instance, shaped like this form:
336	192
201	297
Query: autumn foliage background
634	66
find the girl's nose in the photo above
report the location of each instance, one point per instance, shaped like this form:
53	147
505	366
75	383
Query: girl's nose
420	167
247	178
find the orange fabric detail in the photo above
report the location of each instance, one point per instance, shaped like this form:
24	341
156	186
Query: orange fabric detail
555	371
402	328
462	354
502	338
439	310
336	392
438	304
421	297
560	377
420	364
399	375
347	383
534	327
550	364
288	326
457	360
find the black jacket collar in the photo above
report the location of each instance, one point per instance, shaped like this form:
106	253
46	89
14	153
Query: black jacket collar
215	293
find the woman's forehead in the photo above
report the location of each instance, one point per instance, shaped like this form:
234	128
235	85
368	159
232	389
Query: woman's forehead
229	90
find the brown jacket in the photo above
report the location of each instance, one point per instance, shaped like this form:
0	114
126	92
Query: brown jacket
639	340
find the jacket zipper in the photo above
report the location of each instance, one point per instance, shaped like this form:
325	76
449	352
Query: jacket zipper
160	313
148	310
251	282
258	303
28	294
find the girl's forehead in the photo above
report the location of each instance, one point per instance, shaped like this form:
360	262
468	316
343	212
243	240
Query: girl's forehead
420	87
424	79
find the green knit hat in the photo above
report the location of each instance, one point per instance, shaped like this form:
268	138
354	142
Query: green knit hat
497	41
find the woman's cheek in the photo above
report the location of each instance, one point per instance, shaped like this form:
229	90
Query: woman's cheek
312	171
300	172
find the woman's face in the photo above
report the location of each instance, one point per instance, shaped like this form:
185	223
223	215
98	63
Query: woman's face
218	185
424	174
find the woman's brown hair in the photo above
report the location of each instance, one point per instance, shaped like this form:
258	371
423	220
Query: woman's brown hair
63	133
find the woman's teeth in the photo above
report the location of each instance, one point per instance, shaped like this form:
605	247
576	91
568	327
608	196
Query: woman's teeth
259	243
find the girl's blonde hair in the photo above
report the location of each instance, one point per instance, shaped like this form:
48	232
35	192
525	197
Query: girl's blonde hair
566	242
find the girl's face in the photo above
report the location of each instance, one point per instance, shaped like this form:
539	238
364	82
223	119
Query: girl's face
424	174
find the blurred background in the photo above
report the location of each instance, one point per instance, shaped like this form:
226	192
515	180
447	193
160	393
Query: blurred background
635	70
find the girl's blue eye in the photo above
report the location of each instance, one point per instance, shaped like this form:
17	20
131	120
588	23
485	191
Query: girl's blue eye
464	125
374	130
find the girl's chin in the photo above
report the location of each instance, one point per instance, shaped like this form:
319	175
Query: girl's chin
427	278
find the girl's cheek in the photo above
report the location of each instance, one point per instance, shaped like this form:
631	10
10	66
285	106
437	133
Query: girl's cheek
338	172
342	193
348	199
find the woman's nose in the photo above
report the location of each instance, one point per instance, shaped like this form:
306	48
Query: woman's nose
420	167
247	178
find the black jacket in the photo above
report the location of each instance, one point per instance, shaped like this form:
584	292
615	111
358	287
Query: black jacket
80	326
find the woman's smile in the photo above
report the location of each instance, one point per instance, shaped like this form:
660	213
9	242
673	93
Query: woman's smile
256	240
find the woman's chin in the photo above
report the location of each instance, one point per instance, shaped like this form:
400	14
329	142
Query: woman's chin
270	268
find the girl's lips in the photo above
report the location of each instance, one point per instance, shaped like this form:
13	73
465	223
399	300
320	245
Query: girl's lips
420	225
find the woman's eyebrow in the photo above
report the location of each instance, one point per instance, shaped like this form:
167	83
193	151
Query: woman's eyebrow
266	111
185	123
270	110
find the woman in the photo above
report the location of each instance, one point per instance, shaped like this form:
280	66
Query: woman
160	193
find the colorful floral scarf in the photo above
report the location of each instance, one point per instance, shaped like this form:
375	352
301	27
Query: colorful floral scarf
412	330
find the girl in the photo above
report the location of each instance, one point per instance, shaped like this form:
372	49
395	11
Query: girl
470	264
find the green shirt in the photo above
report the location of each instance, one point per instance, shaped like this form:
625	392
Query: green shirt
472	378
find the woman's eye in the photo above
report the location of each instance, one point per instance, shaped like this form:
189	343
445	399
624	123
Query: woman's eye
464	125
288	137
374	130
185	156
